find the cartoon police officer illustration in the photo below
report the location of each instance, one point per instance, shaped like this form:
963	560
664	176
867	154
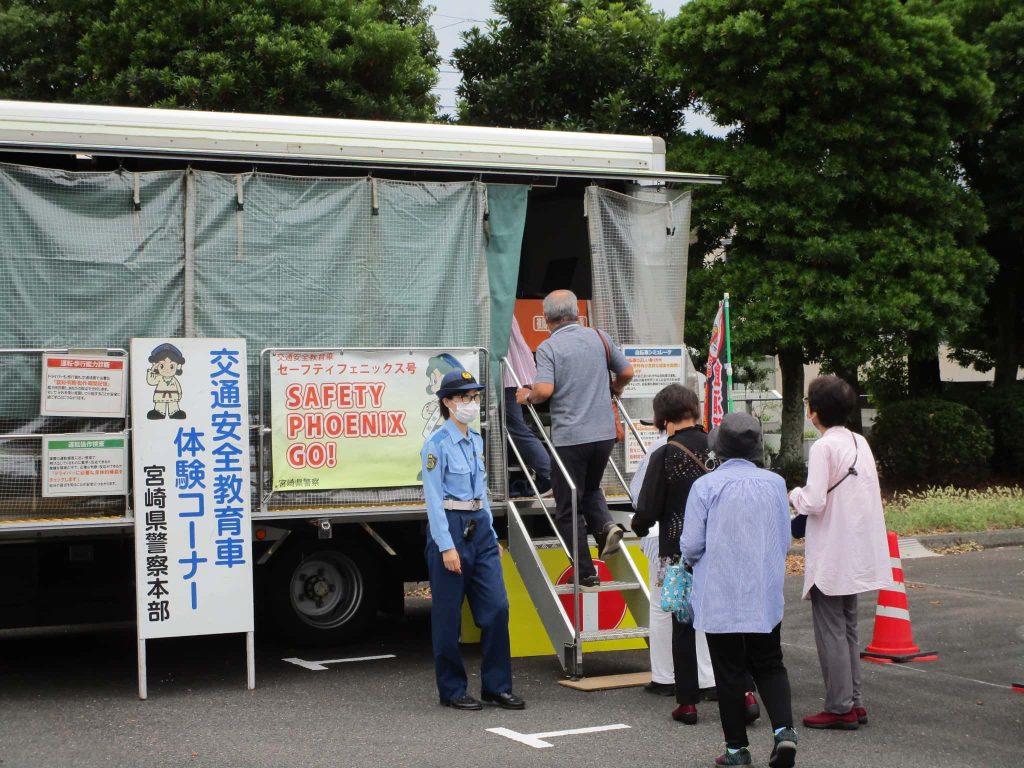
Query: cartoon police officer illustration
437	368
165	368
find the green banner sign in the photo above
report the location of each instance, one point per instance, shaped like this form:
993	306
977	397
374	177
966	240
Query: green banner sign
355	419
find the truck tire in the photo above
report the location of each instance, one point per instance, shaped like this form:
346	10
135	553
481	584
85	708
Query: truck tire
319	594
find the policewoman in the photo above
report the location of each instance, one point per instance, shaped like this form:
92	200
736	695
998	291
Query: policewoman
463	556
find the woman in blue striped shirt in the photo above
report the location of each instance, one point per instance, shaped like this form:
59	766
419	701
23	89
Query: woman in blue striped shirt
736	516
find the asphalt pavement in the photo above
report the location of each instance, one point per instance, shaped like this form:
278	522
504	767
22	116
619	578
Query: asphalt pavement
71	701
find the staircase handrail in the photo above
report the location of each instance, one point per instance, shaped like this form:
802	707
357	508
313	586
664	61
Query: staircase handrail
577	628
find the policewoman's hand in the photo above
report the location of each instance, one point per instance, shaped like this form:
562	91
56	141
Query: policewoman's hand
451	560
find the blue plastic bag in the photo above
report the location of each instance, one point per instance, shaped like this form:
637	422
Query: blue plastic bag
677	593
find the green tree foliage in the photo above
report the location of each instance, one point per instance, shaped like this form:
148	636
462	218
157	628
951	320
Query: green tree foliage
587	65
336	58
848	230
993	161
39	46
929	441
344	58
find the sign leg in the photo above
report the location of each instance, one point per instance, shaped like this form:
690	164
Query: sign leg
143	692
250	660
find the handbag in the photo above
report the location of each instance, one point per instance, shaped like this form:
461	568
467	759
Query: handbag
677	593
620	431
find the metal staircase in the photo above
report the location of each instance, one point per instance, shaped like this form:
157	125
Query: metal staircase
566	632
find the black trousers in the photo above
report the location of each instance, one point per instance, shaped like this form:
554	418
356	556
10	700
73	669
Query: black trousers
731	656
585	464
684	659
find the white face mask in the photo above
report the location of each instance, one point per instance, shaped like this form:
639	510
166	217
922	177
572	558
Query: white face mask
467	413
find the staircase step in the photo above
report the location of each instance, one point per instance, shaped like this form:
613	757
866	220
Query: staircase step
606	586
547	542
614	634
550	542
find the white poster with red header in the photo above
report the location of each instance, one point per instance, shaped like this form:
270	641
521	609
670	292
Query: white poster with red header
83	385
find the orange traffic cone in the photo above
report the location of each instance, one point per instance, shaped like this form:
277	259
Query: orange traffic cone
893	641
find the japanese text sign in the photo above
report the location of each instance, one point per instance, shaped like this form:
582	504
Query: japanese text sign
634	451
355	419
654	368
193	534
83	385
85	465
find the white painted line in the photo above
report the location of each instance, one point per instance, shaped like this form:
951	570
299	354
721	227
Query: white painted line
911	549
318	666
536	740
933	671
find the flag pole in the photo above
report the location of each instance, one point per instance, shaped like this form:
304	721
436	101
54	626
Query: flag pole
728	358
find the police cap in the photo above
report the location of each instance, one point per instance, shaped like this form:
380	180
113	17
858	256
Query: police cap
457	381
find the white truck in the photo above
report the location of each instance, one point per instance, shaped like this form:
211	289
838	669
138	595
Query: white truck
307	234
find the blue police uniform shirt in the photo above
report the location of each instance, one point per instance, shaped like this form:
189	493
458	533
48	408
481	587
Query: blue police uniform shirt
453	468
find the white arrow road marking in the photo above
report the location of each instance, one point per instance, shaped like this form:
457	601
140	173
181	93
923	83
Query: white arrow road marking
318	666
536	740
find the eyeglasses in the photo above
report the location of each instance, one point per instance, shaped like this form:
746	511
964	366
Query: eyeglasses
470	397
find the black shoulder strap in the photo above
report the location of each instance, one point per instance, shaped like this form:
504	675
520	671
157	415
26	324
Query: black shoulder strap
691	454
852	469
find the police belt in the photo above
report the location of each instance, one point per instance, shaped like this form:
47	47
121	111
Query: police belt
454	505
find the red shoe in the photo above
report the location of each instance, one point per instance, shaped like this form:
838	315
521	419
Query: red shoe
862	715
845	722
751	708
685	713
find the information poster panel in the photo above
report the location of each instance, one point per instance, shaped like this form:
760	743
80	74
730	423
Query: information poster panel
634	453
85	465
355	419
193	537
83	385
653	369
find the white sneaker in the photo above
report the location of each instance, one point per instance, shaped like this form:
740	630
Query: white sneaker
612	539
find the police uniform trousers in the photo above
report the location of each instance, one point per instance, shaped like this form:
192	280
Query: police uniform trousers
481	581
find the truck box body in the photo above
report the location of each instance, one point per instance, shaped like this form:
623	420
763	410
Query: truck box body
293	233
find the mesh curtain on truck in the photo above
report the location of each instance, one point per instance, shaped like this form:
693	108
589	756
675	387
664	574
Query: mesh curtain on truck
639	246
91	260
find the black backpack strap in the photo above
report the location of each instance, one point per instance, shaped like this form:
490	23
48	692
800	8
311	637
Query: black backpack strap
852	469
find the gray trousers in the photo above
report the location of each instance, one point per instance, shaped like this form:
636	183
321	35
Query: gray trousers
835	634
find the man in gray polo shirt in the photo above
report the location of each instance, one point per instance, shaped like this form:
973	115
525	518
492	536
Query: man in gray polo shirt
572	371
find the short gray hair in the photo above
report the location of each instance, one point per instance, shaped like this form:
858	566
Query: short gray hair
561	307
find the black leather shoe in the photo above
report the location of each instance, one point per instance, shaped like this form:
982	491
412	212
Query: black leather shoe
465	701
504	700
661	689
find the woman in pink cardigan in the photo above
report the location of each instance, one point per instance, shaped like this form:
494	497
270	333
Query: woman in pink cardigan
846	551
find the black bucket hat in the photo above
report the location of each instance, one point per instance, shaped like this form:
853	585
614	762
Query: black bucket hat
737	437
